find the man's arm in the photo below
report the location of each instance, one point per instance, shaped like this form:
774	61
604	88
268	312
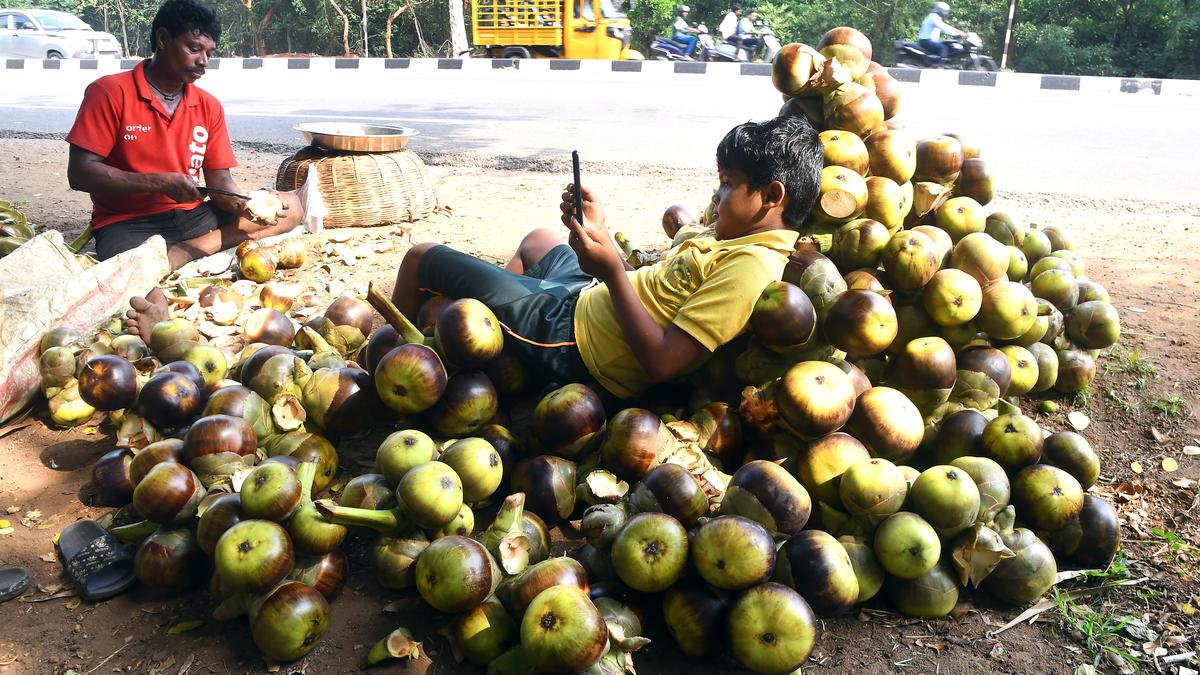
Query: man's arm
222	179
87	172
947	28
664	353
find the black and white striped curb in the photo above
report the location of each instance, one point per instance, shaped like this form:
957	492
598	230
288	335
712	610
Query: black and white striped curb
1004	80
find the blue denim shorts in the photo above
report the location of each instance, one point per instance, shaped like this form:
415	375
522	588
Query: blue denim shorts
536	309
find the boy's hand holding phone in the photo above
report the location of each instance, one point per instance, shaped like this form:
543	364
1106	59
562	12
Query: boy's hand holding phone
598	255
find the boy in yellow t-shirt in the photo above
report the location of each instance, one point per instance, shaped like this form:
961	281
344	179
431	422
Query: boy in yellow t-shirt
574	311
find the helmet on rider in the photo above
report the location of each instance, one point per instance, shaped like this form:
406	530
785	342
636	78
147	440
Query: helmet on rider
680	10
942	9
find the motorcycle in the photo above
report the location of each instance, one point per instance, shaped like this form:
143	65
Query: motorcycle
771	44
711	50
666	49
736	49
962	53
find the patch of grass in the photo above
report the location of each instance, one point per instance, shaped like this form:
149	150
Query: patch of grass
1136	364
1117	571
1174	541
1150	594
1185	556
1083	399
1173	406
1112	395
1098	631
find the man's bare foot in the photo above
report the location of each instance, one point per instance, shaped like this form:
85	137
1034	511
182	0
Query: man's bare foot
146	312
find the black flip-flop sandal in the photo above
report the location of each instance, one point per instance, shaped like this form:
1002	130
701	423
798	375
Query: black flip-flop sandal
95	561
13	582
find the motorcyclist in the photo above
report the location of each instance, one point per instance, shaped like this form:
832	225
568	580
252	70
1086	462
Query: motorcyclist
682	32
934	27
747	33
729	24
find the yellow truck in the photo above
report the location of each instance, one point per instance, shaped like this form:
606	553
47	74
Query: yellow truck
551	29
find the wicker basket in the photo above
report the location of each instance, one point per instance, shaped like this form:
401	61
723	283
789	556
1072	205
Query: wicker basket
364	189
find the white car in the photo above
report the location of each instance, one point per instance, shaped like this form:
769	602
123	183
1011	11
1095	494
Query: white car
47	34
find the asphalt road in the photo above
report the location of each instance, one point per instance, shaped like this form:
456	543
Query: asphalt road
1096	145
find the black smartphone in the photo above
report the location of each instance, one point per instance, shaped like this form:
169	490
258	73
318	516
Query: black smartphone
578	190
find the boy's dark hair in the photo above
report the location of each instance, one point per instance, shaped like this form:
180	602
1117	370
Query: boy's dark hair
786	149
181	16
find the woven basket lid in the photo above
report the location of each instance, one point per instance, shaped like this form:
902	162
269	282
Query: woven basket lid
364	189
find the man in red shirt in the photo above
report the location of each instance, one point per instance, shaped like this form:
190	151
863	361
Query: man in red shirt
143	139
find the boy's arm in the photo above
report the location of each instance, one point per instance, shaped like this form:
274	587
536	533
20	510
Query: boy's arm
664	353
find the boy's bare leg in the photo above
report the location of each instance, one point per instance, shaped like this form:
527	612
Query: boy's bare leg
407	295
533	248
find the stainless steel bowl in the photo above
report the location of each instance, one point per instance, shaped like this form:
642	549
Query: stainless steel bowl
354	137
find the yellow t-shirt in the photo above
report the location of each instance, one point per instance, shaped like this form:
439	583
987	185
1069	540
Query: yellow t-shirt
705	286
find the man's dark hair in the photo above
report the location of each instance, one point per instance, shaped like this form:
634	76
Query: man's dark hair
737	6
181	16
786	149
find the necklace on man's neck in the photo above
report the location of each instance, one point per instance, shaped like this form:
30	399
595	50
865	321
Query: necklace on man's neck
165	96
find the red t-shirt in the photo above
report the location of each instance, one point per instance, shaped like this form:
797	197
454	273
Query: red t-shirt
121	120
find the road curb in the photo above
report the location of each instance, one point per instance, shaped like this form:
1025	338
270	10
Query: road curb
1000	80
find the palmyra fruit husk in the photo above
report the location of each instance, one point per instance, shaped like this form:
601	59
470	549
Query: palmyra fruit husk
927	197
827	77
264	206
854	108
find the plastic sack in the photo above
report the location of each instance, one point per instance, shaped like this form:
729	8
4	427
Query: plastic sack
43	286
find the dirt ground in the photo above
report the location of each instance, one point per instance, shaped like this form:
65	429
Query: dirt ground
1146	254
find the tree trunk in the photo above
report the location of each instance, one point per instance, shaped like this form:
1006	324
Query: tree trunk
1118	32
345	28
251	28
882	36
260	42
458	30
257	40
124	32
366	47
388	27
420	38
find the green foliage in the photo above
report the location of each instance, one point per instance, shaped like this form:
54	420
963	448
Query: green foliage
1131	38
1099	631
1083	399
1184	41
1051	49
291	26
651	18
1117	571
1173	406
1133	363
